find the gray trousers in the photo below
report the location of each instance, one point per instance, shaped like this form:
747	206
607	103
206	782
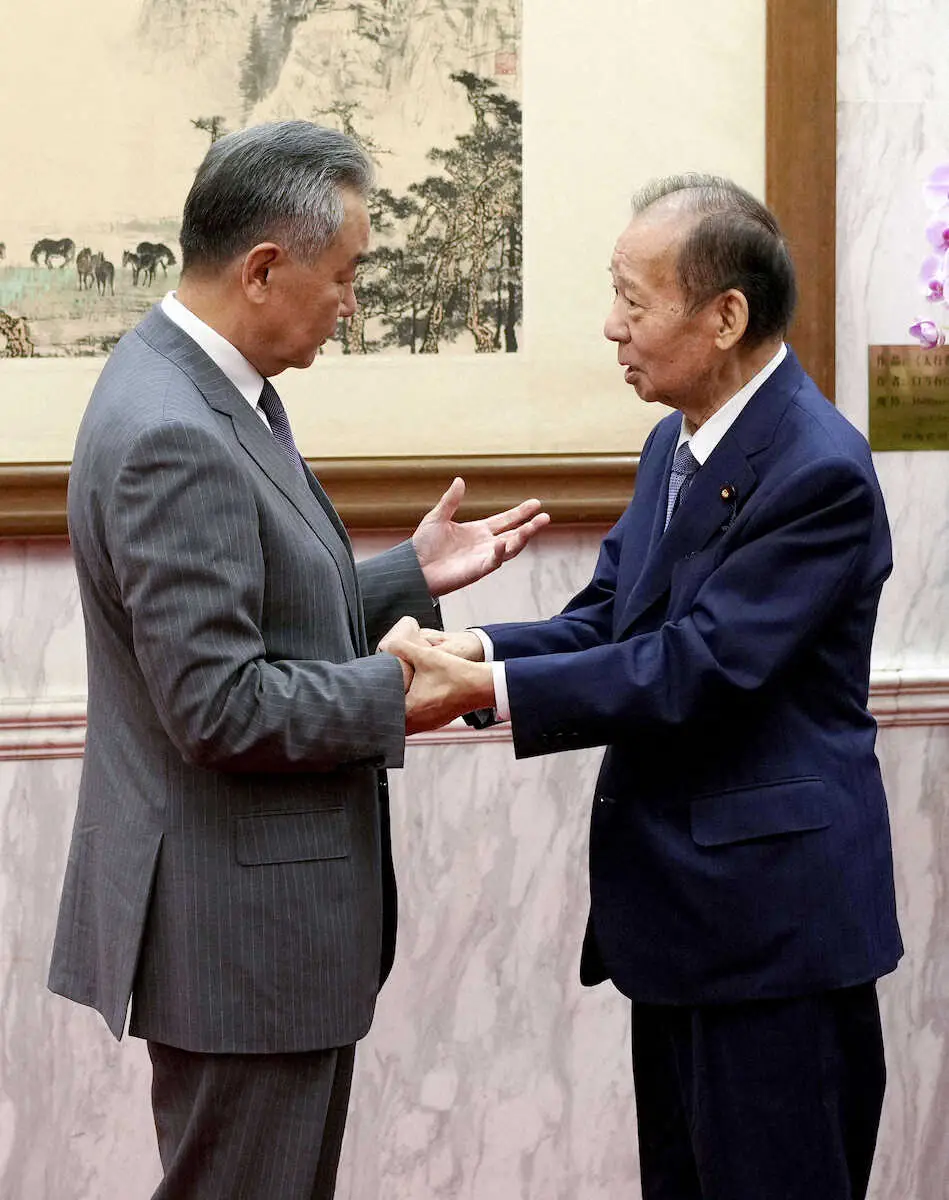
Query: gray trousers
249	1126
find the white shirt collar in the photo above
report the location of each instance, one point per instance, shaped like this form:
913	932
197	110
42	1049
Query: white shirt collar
707	436
245	377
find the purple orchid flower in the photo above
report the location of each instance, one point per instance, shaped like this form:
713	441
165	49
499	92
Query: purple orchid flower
937	232
931	277
928	334
934	273
936	187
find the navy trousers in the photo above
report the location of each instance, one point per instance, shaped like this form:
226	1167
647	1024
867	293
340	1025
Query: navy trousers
249	1126
763	1100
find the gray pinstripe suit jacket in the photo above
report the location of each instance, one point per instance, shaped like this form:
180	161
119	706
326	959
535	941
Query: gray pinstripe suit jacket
230	856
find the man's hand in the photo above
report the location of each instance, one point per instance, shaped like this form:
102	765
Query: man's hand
463	644
443	686
452	555
404	632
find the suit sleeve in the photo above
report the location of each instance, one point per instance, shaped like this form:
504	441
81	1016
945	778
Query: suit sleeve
392	586
585	622
182	533
749	616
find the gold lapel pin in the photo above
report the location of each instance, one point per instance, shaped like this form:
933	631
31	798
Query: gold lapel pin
727	492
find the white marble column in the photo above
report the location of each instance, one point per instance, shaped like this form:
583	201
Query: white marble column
893	118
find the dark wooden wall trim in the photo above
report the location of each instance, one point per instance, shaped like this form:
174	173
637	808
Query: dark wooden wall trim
590	488
801	166
383	493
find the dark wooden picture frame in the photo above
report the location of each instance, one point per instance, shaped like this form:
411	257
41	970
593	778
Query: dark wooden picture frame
373	493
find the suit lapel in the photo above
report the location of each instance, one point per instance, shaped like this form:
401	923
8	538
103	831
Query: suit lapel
327	506
268	455
304	493
703	512
719	489
666	453
354	601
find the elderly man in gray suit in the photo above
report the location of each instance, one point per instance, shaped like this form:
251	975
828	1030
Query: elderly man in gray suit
230	867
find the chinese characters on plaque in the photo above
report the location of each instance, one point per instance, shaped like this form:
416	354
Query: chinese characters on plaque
909	398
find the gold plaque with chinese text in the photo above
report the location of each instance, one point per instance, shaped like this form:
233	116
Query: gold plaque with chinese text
909	398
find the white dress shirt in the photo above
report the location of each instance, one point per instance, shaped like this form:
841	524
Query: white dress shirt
702	442
707	436
245	377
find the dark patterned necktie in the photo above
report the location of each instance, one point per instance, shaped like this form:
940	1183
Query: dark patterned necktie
684	466
271	406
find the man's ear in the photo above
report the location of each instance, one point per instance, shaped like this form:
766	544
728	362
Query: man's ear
731	316
256	268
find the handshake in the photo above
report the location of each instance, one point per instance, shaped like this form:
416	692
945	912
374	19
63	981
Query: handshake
445	673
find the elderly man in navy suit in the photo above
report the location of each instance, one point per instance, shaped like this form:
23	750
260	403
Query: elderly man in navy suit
740	862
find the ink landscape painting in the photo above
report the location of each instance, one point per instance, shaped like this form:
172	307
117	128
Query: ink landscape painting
115	104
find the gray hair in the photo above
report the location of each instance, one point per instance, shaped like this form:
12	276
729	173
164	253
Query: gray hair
282	181
735	243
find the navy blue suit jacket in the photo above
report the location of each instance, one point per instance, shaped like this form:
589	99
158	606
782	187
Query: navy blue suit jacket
740	843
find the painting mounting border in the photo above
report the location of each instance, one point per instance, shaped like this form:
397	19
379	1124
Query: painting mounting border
374	493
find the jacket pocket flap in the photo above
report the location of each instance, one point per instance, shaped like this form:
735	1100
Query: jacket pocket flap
292	837
765	810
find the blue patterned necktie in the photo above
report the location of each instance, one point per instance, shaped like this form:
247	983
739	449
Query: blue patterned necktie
271	406
684	466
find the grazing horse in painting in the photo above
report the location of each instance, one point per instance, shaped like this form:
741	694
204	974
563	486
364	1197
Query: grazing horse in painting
85	268
105	274
158	252
143	267
49	248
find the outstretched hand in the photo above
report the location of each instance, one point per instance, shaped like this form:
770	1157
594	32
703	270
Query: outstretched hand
453	554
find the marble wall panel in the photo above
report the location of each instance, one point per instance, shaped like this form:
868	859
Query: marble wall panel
489	1071
881	245
74	1115
891	50
913	1152
42	651
893	114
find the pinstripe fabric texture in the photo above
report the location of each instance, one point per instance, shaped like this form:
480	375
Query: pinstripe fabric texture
249	1127
230	853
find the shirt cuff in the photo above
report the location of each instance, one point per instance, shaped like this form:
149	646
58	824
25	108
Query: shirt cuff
501	704
486	644
502	708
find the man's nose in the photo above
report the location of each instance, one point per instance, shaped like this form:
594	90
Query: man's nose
614	327
349	303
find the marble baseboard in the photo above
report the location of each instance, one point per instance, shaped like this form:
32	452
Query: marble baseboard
48	728
41	729
910	697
